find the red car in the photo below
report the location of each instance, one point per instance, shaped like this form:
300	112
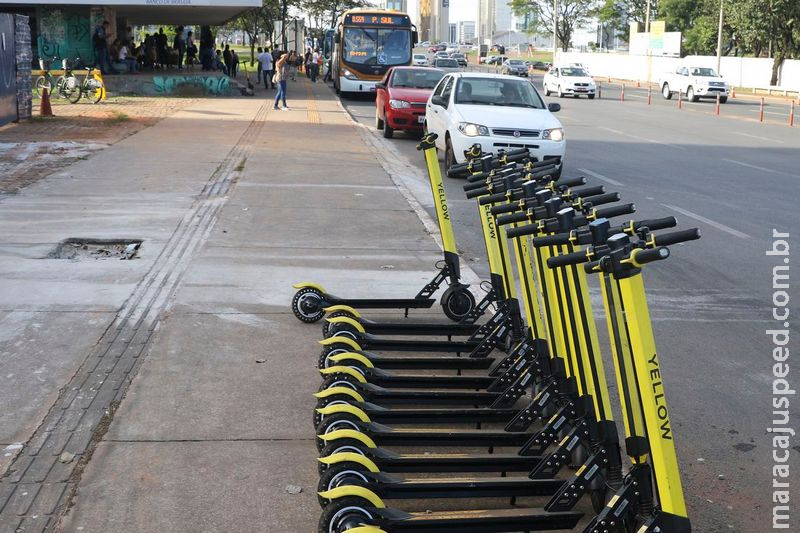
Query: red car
401	98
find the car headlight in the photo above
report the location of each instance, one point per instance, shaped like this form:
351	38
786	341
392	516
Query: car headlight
399	104
349	75
472	130
554	134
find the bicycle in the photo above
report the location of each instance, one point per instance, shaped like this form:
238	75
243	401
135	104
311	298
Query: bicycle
48	81
91	86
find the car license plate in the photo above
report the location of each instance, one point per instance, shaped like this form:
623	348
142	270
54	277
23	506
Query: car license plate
421	119
581	90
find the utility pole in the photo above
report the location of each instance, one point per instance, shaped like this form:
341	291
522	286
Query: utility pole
719	36
647	22
555	30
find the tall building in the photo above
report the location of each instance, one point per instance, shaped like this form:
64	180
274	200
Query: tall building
400	5
452	34
434	20
466	31
494	16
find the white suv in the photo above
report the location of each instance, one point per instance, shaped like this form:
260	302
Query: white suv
495	111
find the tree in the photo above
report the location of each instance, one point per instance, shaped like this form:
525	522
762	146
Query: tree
255	22
319	12
571	14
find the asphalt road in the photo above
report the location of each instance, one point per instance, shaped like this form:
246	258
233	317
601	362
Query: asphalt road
736	180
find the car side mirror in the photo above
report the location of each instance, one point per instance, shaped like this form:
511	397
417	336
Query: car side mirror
554	107
380	86
439	100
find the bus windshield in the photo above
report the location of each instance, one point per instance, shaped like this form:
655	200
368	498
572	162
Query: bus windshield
377	46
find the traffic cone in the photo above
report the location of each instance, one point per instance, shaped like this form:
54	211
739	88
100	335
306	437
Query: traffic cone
45	110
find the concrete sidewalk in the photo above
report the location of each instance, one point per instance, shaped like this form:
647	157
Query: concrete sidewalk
234	202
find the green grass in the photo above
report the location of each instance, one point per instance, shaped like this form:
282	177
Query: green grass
119	116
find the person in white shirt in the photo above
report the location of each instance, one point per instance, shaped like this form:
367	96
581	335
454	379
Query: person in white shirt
314	66
124	57
265	58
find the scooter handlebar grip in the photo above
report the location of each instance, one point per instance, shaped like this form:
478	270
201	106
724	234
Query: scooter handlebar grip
675	237
517	154
602	199
458	170
493	198
572	182
657	223
642	257
519	231
575	258
475	193
592	190
478	176
505	208
551	240
512	218
616	211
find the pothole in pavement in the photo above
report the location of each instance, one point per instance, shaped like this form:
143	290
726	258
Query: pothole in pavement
77	249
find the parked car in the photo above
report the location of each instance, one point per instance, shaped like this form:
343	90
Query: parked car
495	111
495	60
695	83
420	60
401	97
515	67
447	65
461	58
569	81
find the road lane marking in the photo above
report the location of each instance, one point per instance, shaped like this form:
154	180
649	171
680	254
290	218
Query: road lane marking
700	218
758	137
785	114
601	177
748	165
612	130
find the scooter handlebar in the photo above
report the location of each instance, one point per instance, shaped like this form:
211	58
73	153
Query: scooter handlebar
505	208
459	170
649	255
675	237
575	258
512	218
572	182
656	223
475	193
602	199
493	198
557	239
583	192
615	211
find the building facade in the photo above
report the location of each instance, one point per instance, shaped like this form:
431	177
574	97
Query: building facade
494	16
399	5
434	20
466	31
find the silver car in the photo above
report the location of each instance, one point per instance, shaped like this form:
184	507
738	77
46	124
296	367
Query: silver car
515	67
448	65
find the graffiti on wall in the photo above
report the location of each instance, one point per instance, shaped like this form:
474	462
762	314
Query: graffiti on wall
64	34
213	85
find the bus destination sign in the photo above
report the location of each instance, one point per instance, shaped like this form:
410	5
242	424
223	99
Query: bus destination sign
378	19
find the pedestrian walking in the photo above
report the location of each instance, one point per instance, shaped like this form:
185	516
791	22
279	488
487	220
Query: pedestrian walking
314	66
100	38
294	63
191	50
280	76
258	65
307	63
234	63
179	45
265	59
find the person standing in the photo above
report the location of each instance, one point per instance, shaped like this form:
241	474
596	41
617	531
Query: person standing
191	50
293	61
179	44
307	62
162	48
234	63
258	64
227	58
314	66
100	45
265	60
281	74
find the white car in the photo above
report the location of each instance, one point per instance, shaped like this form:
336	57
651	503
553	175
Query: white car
569	81
441	55
420	60
495	111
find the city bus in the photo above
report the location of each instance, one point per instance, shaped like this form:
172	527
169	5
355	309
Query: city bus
366	43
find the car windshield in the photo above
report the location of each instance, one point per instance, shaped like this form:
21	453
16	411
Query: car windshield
377	46
497	92
416	78
457	56
446	63
704	72
573	71
419	56
515	62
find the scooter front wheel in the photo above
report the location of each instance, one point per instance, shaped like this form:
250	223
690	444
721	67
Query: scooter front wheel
307	305
325	361
330	423
345	513
341	446
340	475
328	328
341	380
458	303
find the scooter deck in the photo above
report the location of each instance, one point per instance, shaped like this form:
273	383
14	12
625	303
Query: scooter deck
430	362
426	381
386	436
474	521
394	488
371	342
377	413
389	461
403	328
380	303
419	397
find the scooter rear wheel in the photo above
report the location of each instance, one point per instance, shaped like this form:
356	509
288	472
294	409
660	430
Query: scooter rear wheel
324	360
335	422
342	446
345	513
457	304
327	329
307	305
340	380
